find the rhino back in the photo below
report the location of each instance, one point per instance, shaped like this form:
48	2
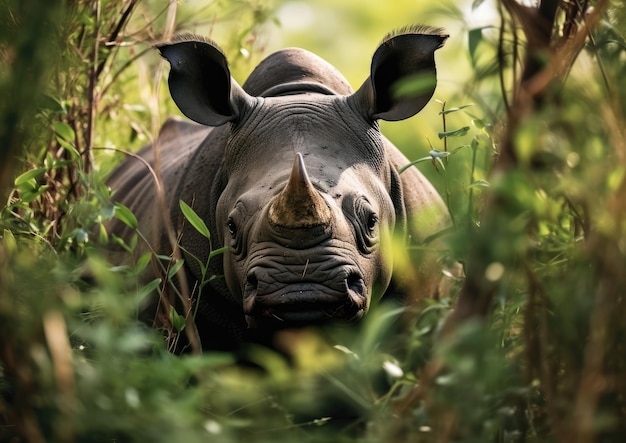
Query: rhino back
190	157
135	183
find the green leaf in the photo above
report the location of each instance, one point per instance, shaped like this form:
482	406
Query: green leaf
69	148
440	162
147	289
458	108
80	235
436	153
178	321
9	242
125	215
194	219
103	235
28	196
125	269
413	163
52	104
216	252
346	351
174	269
28	175
65	131
480	184
475	36
143	262
478	123
108	211
456	133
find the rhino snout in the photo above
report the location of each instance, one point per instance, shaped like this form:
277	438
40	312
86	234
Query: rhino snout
270	301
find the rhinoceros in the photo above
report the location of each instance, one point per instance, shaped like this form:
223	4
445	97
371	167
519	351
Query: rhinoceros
292	175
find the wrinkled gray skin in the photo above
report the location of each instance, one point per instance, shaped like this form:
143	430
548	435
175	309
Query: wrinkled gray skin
291	173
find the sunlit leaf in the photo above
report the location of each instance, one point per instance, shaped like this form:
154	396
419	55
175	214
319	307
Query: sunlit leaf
68	147
451	110
435	153
480	184
479	124
174	269
125	215
195	220
321	421
108	211
178	321
345	350
147	289
81	235
455	133
29	196
124	269
64	130
143	261
440	162
392	369
52	104
414	162
475	37
219	251
9	242
447	379
103	235
28	175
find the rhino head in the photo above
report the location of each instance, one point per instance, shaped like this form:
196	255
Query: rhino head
307	196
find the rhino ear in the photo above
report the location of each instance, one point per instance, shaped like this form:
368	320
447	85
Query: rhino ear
403	75
200	81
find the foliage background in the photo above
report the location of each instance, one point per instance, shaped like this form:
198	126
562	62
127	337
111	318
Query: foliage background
538	210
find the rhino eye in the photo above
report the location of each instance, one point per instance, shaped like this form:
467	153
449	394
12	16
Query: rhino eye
360	213
372	221
232	227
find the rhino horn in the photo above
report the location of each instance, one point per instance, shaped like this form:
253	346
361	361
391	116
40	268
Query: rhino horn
299	205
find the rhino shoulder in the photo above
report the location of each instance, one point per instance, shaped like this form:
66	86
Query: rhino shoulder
176	127
137	180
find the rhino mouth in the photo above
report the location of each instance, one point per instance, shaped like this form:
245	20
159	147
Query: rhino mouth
306	303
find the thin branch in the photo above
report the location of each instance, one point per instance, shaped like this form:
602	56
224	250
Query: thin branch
121	70
120	25
93	104
501	59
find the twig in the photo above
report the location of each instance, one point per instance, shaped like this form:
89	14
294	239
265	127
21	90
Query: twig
93	80
113	37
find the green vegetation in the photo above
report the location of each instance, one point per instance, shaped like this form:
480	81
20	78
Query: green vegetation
525	141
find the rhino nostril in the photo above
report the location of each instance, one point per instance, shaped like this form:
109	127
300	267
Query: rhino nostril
251	282
355	283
